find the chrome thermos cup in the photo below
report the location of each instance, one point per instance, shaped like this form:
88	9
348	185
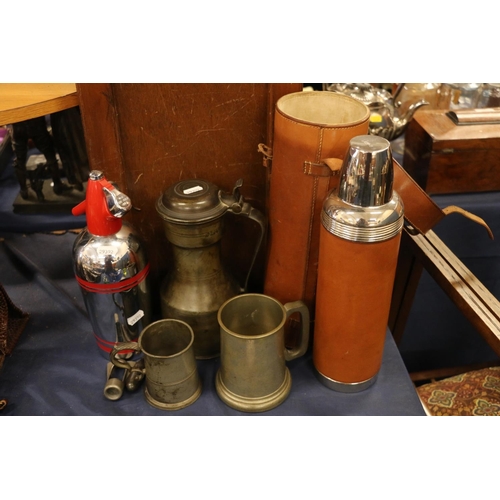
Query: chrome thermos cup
360	232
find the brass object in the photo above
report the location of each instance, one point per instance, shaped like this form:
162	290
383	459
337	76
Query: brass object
253	376
171	375
198	283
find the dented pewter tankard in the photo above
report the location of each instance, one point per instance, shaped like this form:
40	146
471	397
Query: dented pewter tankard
198	283
169	365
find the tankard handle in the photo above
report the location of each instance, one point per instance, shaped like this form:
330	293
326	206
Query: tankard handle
237	205
121	363
301	308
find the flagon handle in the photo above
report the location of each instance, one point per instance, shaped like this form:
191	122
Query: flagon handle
237	205
259	218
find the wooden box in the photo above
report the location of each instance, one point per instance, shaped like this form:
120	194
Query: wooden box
445	157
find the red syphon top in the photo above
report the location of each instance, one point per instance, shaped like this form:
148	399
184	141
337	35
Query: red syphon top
100	221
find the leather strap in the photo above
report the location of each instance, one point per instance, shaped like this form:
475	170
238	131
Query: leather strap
334	165
322	169
421	213
420	210
453	209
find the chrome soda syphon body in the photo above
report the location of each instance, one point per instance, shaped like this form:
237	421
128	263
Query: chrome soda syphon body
111	266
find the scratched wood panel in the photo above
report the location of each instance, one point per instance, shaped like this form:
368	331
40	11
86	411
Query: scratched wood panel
153	135
174	132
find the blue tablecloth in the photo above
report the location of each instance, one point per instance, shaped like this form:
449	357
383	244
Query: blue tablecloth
56	368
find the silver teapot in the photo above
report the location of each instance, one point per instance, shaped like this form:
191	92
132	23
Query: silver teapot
385	117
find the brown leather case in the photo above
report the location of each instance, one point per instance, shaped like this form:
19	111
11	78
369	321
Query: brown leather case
355	282
308	127
305	159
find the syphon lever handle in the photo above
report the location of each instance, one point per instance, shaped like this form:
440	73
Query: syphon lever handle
300	307
122	363
118	203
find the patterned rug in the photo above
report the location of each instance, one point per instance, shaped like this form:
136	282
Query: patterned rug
476	393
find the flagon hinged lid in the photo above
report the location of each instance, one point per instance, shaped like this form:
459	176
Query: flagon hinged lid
191	201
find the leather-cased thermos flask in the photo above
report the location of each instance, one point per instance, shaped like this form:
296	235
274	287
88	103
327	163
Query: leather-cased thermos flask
360	233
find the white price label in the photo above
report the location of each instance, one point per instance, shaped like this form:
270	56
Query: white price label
192	190
135	318
106	250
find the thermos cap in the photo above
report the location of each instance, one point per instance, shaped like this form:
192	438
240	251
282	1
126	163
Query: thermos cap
365	208
189	201
367	173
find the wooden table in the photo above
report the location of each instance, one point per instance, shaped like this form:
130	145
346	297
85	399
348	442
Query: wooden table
22	101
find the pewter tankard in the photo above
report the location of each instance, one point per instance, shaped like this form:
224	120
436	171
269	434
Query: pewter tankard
172	380
253	376
198	282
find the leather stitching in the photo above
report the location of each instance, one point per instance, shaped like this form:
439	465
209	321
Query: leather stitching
319	169
309	236
311	217
318	154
